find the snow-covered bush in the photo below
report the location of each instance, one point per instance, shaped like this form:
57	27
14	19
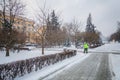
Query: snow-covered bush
12	70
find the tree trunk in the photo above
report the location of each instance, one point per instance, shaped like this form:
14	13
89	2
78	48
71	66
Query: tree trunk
7	51
42	50
75	41
42	46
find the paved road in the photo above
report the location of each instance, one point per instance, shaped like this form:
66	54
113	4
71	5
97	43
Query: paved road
95	67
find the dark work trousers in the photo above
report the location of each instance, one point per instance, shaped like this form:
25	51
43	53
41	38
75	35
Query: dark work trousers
85	50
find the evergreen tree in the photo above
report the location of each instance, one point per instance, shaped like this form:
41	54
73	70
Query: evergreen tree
53	29
92	36
54	21
90	27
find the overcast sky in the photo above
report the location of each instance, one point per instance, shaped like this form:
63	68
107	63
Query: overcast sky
105	13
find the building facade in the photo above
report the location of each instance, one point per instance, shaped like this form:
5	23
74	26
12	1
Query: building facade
22	24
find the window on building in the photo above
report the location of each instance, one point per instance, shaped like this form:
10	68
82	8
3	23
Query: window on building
18	22
29	24
18	27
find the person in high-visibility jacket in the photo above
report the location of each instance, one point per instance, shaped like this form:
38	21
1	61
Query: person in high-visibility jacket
86	47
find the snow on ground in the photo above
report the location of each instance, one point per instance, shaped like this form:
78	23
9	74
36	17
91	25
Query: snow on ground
53	68
115	58
37	52
110	47
24	54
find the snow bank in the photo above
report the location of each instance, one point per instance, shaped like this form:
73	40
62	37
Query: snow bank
115	58
111	47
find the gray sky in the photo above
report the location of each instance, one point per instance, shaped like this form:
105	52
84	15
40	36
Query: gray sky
105	13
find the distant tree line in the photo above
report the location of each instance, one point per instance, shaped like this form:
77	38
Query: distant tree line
74	35
116	36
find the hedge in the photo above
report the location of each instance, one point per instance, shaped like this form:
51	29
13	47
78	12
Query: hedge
15	69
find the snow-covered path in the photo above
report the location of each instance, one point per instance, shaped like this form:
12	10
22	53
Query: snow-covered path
95	67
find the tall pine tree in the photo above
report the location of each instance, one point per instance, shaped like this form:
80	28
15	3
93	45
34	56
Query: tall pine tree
53	27
92	36
54	21
90	27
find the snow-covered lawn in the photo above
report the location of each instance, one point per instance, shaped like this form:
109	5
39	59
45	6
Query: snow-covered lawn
111	47
24	54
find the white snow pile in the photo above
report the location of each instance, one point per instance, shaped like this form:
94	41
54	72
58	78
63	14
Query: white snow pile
111	47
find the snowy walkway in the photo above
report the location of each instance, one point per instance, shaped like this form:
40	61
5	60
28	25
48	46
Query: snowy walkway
95	67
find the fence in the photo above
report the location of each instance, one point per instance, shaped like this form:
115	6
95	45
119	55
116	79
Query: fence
12	70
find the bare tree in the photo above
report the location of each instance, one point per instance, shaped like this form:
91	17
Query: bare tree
68	27
116	36
42	25
9	10
73	28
